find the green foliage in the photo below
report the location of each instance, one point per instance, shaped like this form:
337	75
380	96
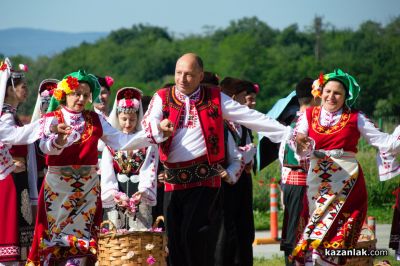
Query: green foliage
144	56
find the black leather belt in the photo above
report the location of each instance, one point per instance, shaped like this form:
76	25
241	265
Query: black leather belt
191	174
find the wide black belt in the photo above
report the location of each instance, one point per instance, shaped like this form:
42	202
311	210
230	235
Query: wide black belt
191	174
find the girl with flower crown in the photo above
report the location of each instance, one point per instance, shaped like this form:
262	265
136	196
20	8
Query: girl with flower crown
69	210
336	190
129	176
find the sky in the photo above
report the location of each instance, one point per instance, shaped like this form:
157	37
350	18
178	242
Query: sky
189	17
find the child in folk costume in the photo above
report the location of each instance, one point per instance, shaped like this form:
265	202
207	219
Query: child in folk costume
69	201
336	190
132	172
46	89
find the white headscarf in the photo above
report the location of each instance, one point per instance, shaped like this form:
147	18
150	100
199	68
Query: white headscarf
36	111
4	76
113	118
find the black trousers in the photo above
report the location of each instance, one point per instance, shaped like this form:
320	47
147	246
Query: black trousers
236	232
293	201
191	219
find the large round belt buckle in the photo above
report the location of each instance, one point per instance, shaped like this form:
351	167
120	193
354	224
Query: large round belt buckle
184	176
202	171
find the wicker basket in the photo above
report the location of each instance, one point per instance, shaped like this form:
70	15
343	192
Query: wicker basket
367	240
129	249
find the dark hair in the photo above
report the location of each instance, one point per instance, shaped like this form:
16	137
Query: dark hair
145	102
304	87
232	86
210	78
16	81
103	82
248	86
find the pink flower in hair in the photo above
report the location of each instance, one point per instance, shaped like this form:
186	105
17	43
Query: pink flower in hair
109	80
256	88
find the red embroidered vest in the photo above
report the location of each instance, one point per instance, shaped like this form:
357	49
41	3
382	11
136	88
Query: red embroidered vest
210	116
84	151
343	135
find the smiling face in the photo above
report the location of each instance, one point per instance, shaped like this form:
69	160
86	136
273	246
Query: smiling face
188	74
127	122
333	96
77	100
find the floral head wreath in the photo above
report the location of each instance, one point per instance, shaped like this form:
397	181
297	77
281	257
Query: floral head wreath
350	84
65	86
47	87
70	83
128	100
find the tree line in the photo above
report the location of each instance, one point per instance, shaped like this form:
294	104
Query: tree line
144	56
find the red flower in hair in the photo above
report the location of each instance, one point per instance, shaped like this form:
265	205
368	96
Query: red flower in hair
321	79
73	83
3	66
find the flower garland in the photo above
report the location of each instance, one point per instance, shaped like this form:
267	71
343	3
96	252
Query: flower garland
65	86
318	84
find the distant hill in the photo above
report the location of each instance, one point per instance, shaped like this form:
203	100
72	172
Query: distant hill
34	42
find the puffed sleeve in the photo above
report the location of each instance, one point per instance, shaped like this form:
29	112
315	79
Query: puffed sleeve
13	135
389	143
48	141
148	176
235	161
108	183
254	120
152	119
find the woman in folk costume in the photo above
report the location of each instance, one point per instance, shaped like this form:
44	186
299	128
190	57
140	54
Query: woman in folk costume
69	201
46	89
132	172
24	186
336	188
11	236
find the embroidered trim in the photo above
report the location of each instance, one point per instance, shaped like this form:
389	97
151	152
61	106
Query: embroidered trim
317	127
9	251
88	129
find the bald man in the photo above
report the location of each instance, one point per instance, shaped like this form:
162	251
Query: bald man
191	157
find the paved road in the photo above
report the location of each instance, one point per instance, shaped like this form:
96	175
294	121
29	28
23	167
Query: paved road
268	251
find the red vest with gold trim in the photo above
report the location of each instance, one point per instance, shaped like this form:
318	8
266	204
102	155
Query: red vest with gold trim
343	135
84	151
210	116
